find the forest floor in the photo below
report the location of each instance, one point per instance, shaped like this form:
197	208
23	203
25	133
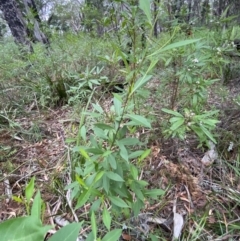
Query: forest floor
207	197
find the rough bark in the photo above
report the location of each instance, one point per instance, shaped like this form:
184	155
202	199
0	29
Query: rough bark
155	7
189	10
35	33
15	22
22	33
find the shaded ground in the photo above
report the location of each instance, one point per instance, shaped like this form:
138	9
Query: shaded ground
38	149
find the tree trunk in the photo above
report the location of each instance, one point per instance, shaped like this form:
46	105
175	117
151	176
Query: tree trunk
155	7
21	33
196	9
35	33
15	22
189	10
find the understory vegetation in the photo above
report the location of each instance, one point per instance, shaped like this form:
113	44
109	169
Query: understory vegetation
120	141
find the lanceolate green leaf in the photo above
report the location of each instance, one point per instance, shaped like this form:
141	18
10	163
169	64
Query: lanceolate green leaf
136	154
112	161
209	113
134	171
106	218
129	141
104	126
145	5
174	45
113	235
114	176
95	151
175	113
139	83
117	105
210	122
152	65
135	188
94	225
36	206
24	228
83	132
118	202
106	183
98	108
83	198
175	119
137	206
98	176
145	154
98	132
198	131
139	120
208	134
68	233
123	152
30	189
154	193
177	124
81	182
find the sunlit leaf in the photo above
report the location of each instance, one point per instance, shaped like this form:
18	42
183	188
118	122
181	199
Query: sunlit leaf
84	153
17	199
29	191
80	181
144	154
